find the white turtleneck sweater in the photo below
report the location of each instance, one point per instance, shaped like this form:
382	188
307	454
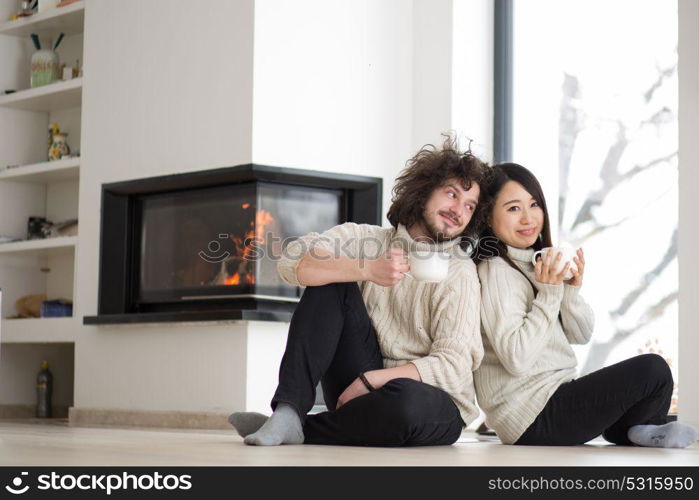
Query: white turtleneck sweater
527	348
434	326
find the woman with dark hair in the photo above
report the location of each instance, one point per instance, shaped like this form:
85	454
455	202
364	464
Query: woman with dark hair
530	315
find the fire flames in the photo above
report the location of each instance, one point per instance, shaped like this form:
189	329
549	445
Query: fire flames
233	280
254	237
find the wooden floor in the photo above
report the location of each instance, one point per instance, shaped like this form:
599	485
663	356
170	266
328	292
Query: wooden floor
30	443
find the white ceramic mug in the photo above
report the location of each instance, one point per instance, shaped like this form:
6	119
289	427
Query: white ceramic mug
428	266
567	252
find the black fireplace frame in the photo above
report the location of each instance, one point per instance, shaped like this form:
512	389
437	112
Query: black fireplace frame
362	202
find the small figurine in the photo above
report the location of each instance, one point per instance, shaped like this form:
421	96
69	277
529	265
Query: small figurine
59	147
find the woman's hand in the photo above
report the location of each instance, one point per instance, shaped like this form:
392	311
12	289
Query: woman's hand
577	278
545	269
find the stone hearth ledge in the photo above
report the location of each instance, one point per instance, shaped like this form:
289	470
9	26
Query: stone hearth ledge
95	417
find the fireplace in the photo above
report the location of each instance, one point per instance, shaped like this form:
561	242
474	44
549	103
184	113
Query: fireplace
204	245
224	241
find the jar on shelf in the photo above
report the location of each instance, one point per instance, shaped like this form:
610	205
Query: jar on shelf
59	147
44	68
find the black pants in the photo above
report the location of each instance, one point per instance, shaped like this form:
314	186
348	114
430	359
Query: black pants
332	339
608	402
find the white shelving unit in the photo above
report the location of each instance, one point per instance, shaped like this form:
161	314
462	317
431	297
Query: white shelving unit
44	172
38	330
68	19
30	187
49	246
52	97
34	187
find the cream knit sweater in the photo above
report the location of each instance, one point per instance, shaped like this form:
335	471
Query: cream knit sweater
527	348
435	326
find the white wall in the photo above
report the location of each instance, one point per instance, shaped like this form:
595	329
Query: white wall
177	367
264	351
453	73
167	89
359	86
472	74
333	87
688	230
432	71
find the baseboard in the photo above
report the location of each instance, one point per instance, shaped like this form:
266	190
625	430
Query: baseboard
94	417
29	411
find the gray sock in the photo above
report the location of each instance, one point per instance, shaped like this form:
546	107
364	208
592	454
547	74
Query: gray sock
283	427
672	435
247	422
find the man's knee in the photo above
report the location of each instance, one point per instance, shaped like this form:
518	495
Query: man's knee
421	414
406	388
340	289
325	288
655	368
411	400
332	293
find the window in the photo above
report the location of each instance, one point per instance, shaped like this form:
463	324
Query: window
594	115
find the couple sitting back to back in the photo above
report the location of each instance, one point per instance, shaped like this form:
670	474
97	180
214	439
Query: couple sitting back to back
400	360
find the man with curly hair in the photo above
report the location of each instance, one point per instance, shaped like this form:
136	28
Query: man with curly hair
394	355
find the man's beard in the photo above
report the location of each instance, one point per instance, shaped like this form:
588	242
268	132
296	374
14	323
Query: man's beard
436	234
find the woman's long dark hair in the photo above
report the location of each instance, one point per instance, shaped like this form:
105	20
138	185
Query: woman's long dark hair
489	245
